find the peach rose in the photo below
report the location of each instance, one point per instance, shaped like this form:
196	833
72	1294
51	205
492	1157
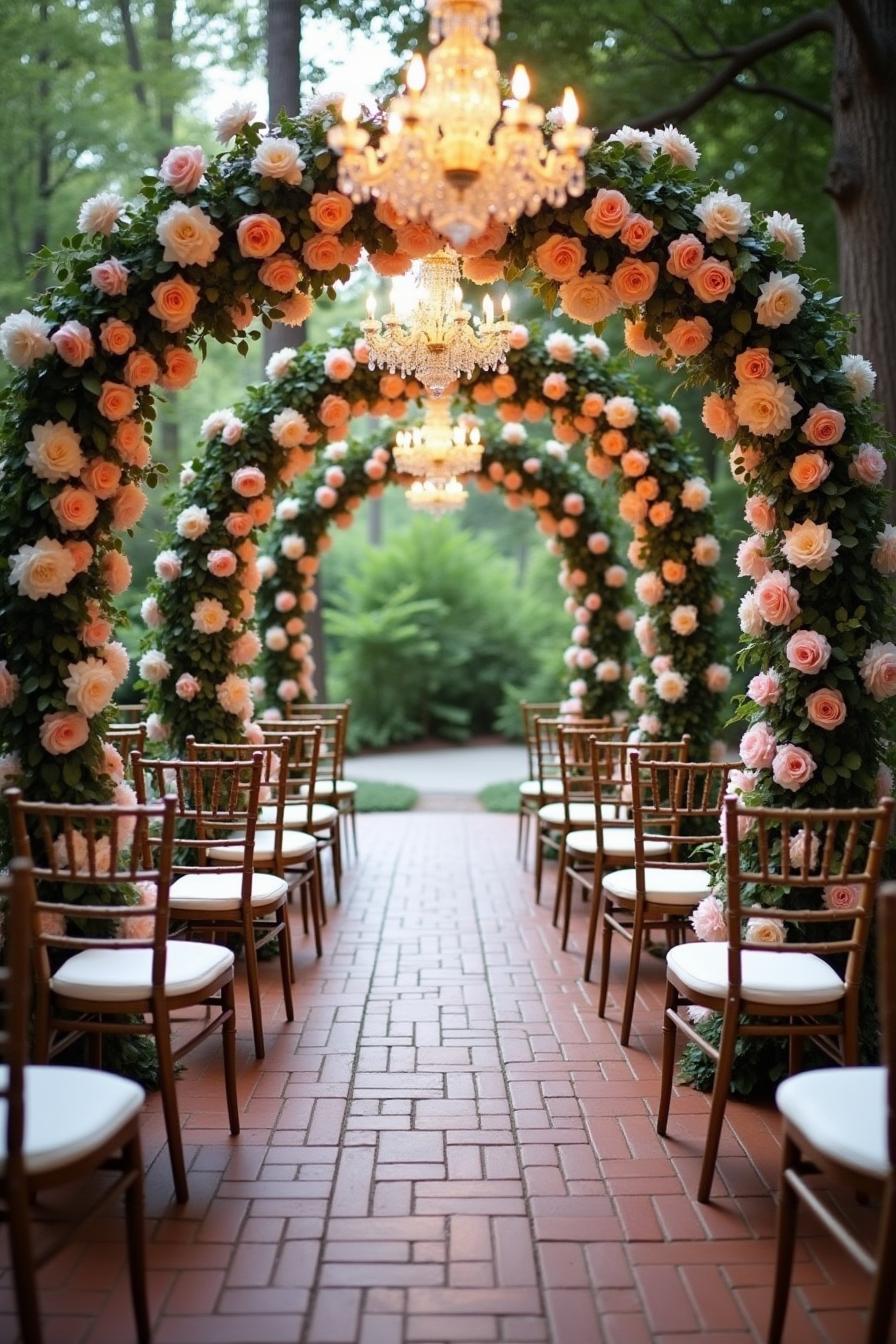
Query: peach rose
758	746
780	299
636	232
117	337
808	652
73	343
259	236
674	571
130	443
824	426
613	442
484	270
560	257
809	470
760	514
54	451
685	255
61	733
334	411
128	507
90	685
141	369
182	168
174	303
555	386
688	337
792	767
75	509
416	240
777	601
712	281
765	406
238	524
282	272
81	553
322	252
826	708
330	211
634	281
637	340
102	477
607	212
390	263
718	416
752	561
661	513
42	570
116	401
878	670
810	545
181	367
767	931
756	362
117	573
278	157
261	510
588	298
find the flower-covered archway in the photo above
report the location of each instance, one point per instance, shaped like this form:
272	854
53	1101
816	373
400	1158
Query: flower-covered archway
202	601
261	229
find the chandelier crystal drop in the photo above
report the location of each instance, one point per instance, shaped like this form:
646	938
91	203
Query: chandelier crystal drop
447	155
436	497
437	449
439	341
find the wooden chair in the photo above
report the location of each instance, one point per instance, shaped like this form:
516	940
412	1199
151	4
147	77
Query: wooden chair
127	738
556	817
303	811
332	785
115	984
277	847
59	1124
211	895
843	1122
676	806
791	987
610	841
531	794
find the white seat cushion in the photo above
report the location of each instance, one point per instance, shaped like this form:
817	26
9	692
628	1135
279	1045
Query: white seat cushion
580	814
617	841
120	973
662	886
324	788
767	977
69	1113
223	891
296	814
542	788
296	844
843	1113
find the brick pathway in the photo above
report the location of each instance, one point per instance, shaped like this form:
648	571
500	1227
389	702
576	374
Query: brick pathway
448	1145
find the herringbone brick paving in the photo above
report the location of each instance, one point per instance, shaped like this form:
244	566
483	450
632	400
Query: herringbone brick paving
448	1145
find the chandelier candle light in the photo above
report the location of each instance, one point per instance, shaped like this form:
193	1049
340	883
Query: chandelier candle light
439	342
447	155
436	497
436	449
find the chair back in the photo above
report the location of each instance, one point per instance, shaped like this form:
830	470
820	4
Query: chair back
122	854
126	738
213	799
317	712
331	750
133	713
678	803
784	852
886	996
611	775
574	753
17	897
548	759
530	710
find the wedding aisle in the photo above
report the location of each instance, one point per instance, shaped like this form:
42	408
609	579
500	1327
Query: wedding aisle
448	1145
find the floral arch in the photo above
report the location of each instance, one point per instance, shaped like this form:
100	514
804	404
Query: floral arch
203	598
260	228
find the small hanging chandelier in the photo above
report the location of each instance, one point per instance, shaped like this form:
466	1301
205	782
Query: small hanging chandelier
436	497
438	342
436	449
447	155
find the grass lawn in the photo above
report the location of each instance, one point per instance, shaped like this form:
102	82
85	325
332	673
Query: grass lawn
374	796
503	797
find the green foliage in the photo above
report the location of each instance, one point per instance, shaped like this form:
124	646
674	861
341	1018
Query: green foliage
759	1061
376	795
424	637
501	797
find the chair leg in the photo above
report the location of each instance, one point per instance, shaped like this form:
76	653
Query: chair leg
567	906
23	1266
353	814
168	1089
606	948
719	1102
670	1034
284	942
251	953
884	1280
136	1237
539	861
228	1045
318	909
631	981
795	1054
597	905
788	1208
561	869
519	828
337	864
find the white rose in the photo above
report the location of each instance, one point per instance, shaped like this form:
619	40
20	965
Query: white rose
100	214
42	570
788	232
287	510
54	451
633	139
780	299
214	423
187	234
723	214
154	666
860	375
278	157
669	417
192	522
232	120
677	146
24	337
279	362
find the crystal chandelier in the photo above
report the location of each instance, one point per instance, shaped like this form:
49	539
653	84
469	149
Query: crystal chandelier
436	497
436	449
447	155
438	342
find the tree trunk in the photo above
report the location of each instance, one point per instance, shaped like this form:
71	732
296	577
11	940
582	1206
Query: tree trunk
44	149
164	23
861	180
375	521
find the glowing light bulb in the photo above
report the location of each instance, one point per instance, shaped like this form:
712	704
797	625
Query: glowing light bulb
416	77
570	107
371	307
505	306
488	309
520	84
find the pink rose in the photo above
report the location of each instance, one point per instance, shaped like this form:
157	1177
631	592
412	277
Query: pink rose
248	481
708	920
792	767
869	466
326	496
777	601
685	255
758	746
825	708
187	686
760	514
808	652
718	416
842	896
238	524
878	670
63	732
765	688
221	563
110	277
182	168
824	426
73	343
752	561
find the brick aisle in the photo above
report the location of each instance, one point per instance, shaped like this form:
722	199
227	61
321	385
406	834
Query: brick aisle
448	1145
